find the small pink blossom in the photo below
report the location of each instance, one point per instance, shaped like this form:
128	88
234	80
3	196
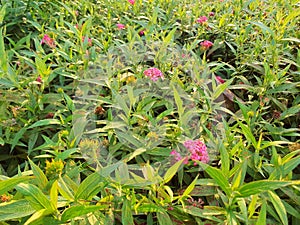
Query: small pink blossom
197	150
220	80
121	26
39	79
131	2
206	44
202	19
89	40
153	73
48	41
211	14
142	33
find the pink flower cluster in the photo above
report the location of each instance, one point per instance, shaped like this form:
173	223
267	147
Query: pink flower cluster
131	2
197	152
153	73
206	44
48	41
220	80
89	40
202	19
121	26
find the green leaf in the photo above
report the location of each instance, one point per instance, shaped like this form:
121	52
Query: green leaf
291	111
170	36
262	215
66	153
2	13
17	137
79	210
243	208
279	207
41	179
3	61
260	186
7	185
292	210
225	162
264	28
89	187
218	177
134	154
121	102
221	88
212	213
127	217
172	171
54	193
64	190
149	207
37	215
239	176
178	102
35	196
190	188
248	134
44	122
164	218
231	218
15	209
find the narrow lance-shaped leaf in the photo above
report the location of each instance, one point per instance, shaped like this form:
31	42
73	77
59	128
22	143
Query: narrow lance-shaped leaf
279	207
39	175
239	176
127	217
218	177
64	190
15	210
164	218
260	186
37	215
79	210
7	185
262	215
89	187
54	194
35	196
178	102
191	187
44	122
172	171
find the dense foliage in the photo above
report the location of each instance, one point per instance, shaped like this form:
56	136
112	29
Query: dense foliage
149	112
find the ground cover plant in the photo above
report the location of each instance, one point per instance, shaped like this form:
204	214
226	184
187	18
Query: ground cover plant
149	112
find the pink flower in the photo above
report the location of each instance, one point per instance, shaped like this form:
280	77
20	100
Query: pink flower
206	44
220	80
197	150
39	79
211	14
142	33
89	40
202	19
121	26
48	41
131	2
153	73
